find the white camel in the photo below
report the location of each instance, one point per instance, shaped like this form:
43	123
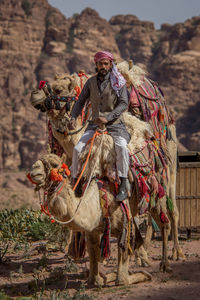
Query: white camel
88	218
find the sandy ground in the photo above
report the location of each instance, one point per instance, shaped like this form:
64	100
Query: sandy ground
39	268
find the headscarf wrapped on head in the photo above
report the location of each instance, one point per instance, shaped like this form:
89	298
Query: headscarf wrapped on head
116	78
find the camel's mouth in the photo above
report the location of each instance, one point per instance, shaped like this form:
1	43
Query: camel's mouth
58	91
38	174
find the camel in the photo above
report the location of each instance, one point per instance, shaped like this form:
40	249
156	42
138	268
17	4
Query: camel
140	131
134	76
64	85
88	218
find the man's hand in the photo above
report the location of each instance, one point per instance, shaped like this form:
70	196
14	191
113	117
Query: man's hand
72	124
100	121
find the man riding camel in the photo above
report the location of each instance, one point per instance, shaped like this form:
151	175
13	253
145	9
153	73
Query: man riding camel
108	95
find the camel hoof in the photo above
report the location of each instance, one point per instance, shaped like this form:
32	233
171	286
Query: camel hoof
110	277
177	254
96	281
138	262
122	281
164	267
135	278
144	264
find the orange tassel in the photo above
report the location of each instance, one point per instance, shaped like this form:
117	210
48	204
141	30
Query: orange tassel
55	176
78	91
67	171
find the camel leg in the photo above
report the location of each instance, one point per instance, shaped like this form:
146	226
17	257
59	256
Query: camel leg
141	257
164	265
93	242
122	269
123	277
164	229
68	247
177	252
149	232
174	218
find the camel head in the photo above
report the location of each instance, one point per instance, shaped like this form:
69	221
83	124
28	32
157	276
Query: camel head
58	97
64	84
41	171
53	97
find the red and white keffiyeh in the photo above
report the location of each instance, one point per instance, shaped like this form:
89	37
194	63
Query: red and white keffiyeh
116	78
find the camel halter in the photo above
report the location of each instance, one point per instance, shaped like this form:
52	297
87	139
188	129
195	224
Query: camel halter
44	203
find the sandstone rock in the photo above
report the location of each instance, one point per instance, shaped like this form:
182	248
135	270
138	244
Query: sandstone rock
134	38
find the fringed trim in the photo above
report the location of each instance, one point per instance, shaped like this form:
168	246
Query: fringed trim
170	204
154	225
105	240
126	241
163	218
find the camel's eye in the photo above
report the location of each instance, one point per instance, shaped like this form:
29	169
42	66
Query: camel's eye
65	78
54	165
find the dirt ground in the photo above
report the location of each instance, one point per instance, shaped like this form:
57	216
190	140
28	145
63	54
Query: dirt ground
41	269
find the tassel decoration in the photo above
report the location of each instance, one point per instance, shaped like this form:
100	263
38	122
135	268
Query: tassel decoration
105	240
170	204
67	171
163	218
161	191
143	188
55	176
154	225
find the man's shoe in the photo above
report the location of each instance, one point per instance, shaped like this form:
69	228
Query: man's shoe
78	189
122	194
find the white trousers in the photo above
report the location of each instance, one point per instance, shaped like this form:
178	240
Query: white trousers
122	156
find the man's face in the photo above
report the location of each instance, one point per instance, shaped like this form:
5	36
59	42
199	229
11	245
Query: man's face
104	66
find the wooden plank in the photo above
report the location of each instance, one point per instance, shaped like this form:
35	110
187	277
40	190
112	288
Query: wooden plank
198	193
182	193
178	189
193	192
187	201
189	164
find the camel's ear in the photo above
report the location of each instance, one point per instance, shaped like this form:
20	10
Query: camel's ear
82	71
72	84
56	76
130	63
63	158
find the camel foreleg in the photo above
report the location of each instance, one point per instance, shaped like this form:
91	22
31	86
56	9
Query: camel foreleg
93	242
123	276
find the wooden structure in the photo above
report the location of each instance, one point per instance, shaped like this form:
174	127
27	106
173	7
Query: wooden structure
188	189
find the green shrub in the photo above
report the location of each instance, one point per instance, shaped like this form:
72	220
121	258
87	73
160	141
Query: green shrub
24	225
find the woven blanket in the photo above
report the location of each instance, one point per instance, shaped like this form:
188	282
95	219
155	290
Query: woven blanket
150	101
149	170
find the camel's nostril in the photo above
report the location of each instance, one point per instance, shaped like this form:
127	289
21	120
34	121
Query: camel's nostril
58	91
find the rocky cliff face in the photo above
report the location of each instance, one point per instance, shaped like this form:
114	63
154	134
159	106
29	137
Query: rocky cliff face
37	41
135	38
176	66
